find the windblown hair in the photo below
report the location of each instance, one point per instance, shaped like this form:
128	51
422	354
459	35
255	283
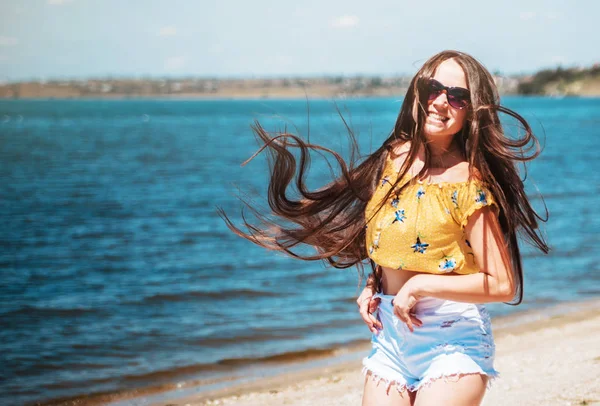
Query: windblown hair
332	218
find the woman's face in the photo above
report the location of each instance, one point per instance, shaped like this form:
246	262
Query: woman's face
443	120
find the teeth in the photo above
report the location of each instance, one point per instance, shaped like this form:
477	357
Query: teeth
438	117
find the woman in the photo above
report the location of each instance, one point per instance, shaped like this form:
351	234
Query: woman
436	210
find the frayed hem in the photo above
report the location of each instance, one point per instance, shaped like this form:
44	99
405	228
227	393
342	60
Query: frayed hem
400	387
453	378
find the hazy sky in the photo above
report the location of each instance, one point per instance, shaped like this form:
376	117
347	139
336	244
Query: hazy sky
83	38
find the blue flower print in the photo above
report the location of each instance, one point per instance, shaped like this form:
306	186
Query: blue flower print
401	266
395	202
447	265
375	244
455	198
419	246
481	198
420	193
399	216
386	179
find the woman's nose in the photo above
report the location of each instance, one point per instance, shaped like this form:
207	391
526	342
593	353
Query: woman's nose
441	100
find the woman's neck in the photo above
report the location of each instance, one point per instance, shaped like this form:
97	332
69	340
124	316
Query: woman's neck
444	155
441	148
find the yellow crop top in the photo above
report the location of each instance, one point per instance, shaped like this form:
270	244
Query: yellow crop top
422	228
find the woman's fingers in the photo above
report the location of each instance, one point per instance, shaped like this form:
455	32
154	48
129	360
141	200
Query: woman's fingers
373	305
375	324
416	321
408	318
368	319
367	306
408	322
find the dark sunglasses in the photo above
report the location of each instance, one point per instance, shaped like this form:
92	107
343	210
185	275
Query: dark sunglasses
458	97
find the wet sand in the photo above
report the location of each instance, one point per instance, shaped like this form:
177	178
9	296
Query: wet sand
545	357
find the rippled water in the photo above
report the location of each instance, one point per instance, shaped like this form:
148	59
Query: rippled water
117	271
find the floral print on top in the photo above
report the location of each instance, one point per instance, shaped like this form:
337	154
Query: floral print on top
419	246
447	265
481	197
399	216
421	227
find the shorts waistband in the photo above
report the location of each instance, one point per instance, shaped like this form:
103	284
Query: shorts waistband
427	302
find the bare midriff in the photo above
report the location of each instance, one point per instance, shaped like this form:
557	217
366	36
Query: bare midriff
392	280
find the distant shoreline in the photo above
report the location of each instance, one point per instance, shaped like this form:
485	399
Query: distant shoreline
262	98
551	82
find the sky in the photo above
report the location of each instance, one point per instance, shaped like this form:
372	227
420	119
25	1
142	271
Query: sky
63	39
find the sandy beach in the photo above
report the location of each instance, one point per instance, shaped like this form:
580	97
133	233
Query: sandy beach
546	357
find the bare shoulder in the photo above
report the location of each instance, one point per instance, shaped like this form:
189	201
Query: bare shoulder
399	153
473	173
461	172
400	148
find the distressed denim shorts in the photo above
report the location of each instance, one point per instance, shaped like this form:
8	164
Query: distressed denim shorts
454	340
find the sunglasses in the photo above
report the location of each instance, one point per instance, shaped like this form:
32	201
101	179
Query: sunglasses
458	97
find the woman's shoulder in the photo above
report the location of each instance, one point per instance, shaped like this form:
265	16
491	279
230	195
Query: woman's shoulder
397	152
398	148
463	173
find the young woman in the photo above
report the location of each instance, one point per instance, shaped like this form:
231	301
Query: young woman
435	210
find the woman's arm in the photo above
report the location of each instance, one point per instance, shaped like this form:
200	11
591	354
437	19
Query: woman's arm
494	282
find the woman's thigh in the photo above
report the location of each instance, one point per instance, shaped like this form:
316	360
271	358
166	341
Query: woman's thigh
378	393
467	390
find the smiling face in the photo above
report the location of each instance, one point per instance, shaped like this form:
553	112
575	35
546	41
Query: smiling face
443	120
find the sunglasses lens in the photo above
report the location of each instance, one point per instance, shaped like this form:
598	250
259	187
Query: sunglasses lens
458	99
434	88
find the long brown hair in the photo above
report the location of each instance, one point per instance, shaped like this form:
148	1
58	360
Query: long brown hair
332	218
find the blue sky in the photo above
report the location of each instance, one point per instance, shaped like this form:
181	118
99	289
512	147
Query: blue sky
45	39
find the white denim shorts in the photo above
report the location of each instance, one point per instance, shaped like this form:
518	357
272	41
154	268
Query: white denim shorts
454	340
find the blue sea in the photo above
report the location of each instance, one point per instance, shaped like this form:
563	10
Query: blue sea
116	271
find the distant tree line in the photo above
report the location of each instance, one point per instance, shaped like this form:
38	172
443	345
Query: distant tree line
538	83
559	81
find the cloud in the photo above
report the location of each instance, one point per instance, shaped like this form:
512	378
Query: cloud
8	41
167	31
58	2
344	22
175	63
527	15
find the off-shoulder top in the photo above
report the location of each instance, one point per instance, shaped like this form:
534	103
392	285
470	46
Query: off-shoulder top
422	227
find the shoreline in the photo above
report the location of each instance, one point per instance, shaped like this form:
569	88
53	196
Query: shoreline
223	98
341	365
559	81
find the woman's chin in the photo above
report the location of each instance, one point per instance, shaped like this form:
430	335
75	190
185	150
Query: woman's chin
439	129
435	130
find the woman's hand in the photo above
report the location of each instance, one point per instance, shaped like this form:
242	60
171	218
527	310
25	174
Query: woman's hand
366	306
403	303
